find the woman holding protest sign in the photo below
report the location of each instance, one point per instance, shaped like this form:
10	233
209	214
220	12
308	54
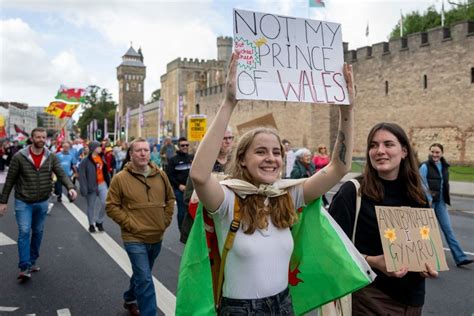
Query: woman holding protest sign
256	269
390	178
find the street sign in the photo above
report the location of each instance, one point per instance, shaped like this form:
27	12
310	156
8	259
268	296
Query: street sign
197	126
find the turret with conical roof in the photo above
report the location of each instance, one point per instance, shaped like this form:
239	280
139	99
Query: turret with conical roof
131	75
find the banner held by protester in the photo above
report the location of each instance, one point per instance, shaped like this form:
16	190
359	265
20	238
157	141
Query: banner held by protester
288	59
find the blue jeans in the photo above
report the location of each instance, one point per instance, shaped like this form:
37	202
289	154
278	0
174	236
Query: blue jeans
91	198
30	218
445	223
142	257
182	208
279	304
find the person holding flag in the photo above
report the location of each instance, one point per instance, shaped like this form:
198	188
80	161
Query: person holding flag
256	277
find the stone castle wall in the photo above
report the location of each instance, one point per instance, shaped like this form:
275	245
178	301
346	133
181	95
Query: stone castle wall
390	79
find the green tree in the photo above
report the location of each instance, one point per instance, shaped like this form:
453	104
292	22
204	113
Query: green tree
415	22
156	95
98	105
39	121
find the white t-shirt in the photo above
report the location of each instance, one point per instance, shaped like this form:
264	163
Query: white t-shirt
257	264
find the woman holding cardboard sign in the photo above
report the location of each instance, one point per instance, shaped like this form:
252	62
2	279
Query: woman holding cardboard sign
390	178
256	269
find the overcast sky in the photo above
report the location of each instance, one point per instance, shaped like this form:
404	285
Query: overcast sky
46	43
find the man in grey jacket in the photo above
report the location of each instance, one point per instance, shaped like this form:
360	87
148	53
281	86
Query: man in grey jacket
31	174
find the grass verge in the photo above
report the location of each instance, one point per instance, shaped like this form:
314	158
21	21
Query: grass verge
456	173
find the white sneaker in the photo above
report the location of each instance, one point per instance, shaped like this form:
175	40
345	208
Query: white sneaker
50	207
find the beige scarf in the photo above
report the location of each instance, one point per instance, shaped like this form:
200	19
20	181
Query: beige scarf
243	188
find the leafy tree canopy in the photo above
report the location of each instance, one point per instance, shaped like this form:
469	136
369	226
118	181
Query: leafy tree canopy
155	96
415	22
98	105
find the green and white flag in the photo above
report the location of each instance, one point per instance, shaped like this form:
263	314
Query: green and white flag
195	293
324	265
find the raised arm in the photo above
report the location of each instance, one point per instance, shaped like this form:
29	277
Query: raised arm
206	186
341	159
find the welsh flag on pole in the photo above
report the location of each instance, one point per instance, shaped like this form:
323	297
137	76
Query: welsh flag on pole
71	94
324	265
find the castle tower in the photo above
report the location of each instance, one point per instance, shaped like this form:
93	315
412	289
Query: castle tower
224	48
131	75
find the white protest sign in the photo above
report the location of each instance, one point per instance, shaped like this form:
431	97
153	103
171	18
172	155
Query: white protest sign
288	59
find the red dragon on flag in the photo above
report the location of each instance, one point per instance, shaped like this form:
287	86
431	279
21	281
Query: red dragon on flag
71	94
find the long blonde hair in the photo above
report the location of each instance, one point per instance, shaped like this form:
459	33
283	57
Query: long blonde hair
254	213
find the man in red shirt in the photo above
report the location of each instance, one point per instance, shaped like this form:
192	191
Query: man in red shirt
31	174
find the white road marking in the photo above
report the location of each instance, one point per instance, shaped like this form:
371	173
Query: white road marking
8	309
64	312
5	240
466	252
166	299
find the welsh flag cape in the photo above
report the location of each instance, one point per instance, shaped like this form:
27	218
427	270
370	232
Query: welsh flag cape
324	265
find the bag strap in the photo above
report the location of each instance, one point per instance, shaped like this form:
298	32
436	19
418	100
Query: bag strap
229	241
357	210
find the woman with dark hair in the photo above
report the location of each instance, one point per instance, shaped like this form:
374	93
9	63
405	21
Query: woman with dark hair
435	175
390	178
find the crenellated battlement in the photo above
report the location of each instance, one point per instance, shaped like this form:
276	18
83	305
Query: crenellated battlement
224	40
193	63
434	39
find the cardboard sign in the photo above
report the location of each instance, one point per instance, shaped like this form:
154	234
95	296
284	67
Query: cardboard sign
410	238
288	59
262	121
197	126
